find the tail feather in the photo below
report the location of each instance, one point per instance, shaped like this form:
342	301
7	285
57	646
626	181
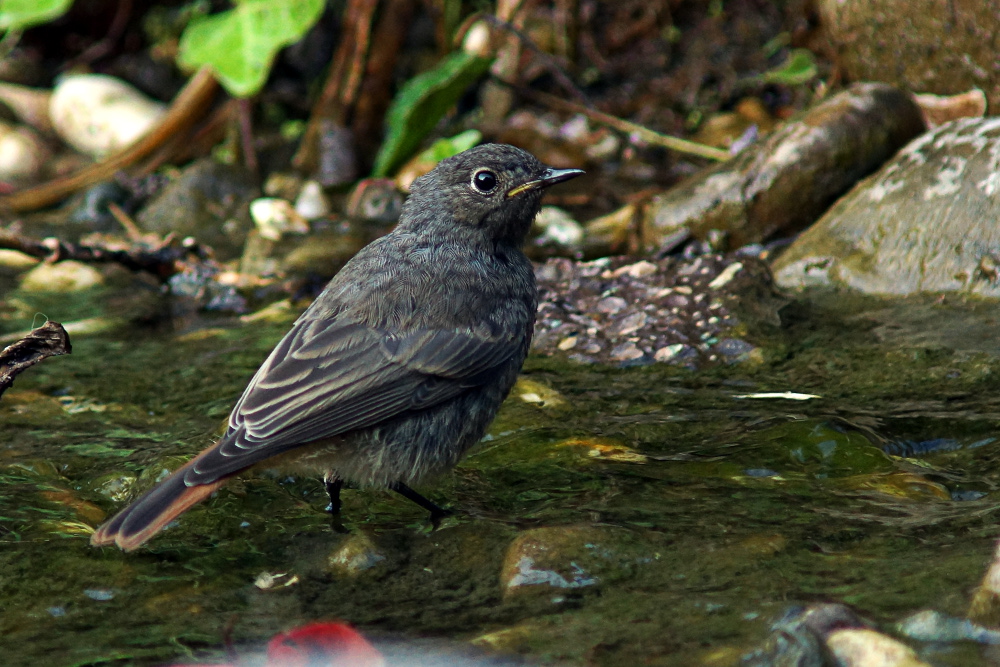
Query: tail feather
147	515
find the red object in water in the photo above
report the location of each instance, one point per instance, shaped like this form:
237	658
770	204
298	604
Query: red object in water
322	645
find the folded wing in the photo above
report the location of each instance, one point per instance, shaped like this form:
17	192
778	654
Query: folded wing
328	378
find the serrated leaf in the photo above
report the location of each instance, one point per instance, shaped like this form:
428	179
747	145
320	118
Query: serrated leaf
21	14
421	103
240	44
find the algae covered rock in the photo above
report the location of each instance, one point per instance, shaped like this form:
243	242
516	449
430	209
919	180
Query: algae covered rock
926	222
545	561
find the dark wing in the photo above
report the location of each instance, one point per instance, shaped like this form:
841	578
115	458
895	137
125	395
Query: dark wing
326	378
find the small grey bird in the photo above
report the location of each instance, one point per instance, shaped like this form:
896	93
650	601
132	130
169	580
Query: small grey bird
401	363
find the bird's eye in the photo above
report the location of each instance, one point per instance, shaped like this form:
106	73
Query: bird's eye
484	180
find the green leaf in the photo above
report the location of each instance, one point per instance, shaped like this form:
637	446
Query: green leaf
799	68
448	146
21	14
421	103
240	44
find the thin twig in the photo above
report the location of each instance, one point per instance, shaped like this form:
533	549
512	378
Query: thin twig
644	133
103	47
244	118
125	220
550	63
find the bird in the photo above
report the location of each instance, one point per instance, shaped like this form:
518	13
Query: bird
400	364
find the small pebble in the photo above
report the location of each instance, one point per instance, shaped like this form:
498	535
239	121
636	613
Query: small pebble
611	305
99	594
626	352
637	270
311	202
667	353
567	343
631	323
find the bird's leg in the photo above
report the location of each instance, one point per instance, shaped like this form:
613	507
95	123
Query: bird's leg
333	486
437	513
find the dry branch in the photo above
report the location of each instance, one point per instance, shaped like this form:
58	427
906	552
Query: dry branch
48	340
163	261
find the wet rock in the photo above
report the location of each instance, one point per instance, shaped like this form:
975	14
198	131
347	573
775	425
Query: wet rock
356	554
825	635
784	183
905	485
554	232
99	114
311	202
68	276
940	109
824	449
538	394
91	209
605	449
13	262
376	199
547	561
798	638
276	217
22	154
985	605
861	647
209	201
924	223
922	45
933	626
322	254
619	312
198	287
117	487
616	233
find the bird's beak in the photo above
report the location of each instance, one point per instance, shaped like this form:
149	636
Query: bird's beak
549	177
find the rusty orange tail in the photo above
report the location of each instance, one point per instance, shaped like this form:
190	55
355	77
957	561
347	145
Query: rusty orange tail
147	515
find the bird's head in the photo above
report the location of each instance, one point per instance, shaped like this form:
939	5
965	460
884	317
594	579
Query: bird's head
491	192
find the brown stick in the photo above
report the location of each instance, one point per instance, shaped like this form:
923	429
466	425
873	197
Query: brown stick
185	111
244	117
342	81
48	340
163	261
376	85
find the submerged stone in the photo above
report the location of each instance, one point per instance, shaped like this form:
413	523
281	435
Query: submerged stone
568	557
356	554
68	276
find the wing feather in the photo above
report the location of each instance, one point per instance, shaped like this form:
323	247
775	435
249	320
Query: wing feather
327	378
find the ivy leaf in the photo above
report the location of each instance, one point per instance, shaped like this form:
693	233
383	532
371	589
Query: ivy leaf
448	146
240	44
798	68
421	103
21	14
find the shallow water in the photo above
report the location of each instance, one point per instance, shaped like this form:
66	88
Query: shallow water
635	516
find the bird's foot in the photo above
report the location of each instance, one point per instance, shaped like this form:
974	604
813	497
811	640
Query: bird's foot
437	513
333	486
